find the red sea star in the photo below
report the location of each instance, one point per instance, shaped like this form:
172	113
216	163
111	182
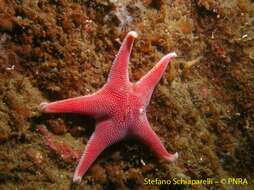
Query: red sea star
119	108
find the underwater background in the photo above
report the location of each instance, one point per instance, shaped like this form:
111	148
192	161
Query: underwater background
203	108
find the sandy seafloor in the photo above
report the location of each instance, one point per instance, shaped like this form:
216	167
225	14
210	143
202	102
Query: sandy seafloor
203	107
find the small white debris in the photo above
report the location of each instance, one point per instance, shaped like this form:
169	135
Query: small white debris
10	68
113	1
88	21
238	114
213	35
142	162
244	36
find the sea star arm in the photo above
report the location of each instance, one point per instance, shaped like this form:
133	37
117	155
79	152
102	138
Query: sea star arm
147	83
105	134
95	104
119	71
144	132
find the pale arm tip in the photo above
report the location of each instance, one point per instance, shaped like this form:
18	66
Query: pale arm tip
77	179
167	58
134	34
176	155
173	157
42	106
173	54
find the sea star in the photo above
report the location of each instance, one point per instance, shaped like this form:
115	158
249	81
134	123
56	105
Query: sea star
119	108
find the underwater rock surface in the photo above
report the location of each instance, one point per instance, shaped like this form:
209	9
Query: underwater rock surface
203	107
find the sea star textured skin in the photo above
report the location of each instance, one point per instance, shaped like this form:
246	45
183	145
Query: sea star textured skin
119	108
